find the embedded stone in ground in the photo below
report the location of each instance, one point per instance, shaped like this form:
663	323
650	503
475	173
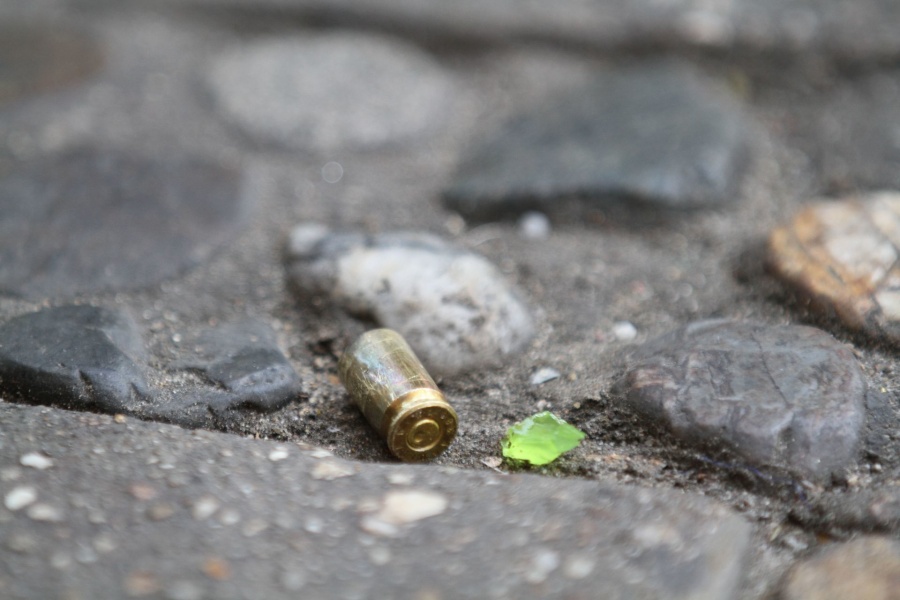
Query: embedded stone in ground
79	357
470	534
789	397
331	91
39	59
244	367
88	220
844	255
659	135
867	568
876	510
452	306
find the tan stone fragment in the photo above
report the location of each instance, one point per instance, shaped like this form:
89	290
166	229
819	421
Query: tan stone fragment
844	256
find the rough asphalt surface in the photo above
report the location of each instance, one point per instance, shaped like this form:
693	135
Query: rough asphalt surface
171	422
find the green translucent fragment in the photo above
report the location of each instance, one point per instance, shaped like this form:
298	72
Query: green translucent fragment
540	439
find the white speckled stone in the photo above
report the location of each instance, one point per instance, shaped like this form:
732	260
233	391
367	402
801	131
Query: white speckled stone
453	307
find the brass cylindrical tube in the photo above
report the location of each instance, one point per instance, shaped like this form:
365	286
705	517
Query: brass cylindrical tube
397	395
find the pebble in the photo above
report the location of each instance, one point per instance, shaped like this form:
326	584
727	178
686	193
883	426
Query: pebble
534	225
789	397
243	361
331	91
658	135
867	568
204	508
45	512
20	497
452	306
278	454
36	460
96	220
332	469
543	375
77	356
624	331
843	254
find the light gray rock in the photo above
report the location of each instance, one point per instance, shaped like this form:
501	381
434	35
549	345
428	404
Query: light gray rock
452	306
273	530
790	397
331	91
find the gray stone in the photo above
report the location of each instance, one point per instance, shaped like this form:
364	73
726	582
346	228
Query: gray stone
89	220
244	368
331	91
41	59
452	306
789	397
867	568
657	135
80	357
864	29
850	131
476	534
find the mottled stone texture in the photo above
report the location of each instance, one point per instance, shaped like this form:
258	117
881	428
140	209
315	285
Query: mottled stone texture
844	255
867	568
790	397
286	521
661	135
91	219
452	306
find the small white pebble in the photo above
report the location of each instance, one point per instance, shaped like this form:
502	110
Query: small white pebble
544	562
204	508
332	469
402	507
45	512
278	454
543	375
20	497
534	226
624	331
229	516
60	561
36	460
578	566
400	478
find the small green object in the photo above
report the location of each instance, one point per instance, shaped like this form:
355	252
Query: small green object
540	439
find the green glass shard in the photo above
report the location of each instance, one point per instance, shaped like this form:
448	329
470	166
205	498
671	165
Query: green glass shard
540	439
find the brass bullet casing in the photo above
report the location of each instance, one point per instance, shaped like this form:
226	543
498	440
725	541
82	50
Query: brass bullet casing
397	395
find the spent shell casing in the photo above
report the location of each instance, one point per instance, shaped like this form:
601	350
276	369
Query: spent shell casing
397	395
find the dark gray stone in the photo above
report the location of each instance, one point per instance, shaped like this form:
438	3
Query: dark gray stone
40	59
244	367
80	357
164	510
89	220
790	397
851	133
452	306
657	135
